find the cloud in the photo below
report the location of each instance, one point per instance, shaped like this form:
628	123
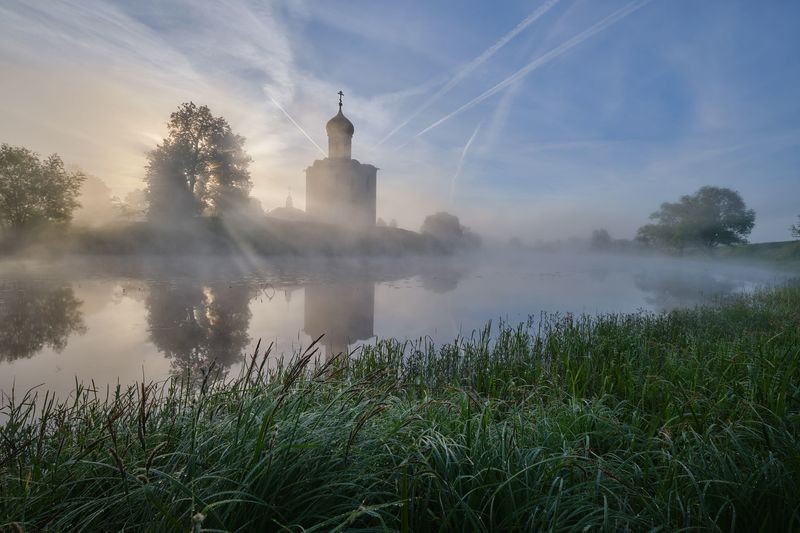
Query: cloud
543	60
299	127
470	67
461	159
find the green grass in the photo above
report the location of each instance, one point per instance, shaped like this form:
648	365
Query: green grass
773	252
217	236
685	420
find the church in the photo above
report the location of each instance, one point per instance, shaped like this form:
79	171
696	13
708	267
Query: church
339	189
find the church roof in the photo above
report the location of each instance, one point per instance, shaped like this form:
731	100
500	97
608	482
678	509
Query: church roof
340	124
287	213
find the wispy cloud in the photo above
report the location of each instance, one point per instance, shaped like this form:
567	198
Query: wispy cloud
461	160
470	67
543	60
298	126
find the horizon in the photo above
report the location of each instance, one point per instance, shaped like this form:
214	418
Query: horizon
540	120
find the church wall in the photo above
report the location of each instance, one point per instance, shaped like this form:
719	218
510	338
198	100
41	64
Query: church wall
341	191
343	312
339	147
365	194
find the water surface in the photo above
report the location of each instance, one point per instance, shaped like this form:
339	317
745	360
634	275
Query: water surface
115	320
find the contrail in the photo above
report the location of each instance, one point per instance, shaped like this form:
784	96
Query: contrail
461	160
475	63
297	126
544	59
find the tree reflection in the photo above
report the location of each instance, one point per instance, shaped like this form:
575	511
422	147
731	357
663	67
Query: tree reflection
33	317
196	325
441	279
675	291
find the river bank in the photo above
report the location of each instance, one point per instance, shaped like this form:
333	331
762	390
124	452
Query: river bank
681	419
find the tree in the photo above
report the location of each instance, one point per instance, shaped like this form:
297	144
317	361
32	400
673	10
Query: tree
795	228
133	206
711	216
34	191
201	165
443	226
97	203
601	240
447	229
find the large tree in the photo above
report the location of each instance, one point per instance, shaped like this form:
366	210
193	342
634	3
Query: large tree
795	229
447	229
601	239
711	216
97	203
200	166
33	190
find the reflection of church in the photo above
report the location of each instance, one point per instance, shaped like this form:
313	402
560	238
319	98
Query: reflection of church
343	311
339	189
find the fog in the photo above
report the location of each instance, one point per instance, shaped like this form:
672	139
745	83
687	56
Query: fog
109	320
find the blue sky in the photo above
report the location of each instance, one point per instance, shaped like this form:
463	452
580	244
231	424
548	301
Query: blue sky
540	119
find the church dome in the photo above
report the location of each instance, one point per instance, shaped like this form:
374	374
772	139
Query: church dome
339	124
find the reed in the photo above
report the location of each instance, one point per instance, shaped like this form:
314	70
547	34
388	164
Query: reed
680	420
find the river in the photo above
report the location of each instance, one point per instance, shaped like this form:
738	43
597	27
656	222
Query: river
121	320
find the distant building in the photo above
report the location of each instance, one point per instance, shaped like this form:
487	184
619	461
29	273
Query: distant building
339	189
287	212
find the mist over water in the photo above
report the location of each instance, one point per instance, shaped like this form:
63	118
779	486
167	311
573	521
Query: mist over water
112	320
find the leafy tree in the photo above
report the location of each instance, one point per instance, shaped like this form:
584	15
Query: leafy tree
447	229
601	239
34	191
97	203
443	226
795	229
711	216
133	206
201	165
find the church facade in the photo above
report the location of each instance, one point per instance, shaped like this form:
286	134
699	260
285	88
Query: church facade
339	189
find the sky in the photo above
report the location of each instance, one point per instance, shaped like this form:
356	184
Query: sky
538	119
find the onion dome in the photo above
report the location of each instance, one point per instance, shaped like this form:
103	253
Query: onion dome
339	125
340	134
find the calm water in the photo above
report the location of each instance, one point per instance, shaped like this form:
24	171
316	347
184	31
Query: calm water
106	320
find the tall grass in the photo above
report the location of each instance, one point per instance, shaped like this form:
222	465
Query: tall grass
682	420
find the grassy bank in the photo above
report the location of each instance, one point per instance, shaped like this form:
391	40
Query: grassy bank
773	252
682	420
216	236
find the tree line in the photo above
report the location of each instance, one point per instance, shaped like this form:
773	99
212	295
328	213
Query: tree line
201	168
